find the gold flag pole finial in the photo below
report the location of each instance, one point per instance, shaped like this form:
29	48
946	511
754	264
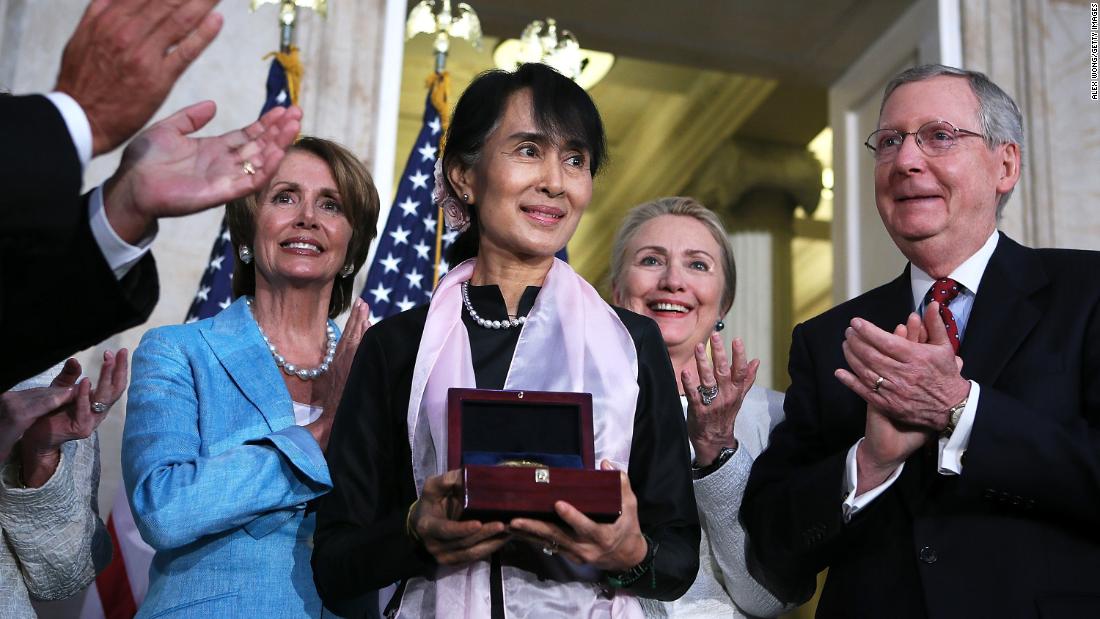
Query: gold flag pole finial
288	17
461	23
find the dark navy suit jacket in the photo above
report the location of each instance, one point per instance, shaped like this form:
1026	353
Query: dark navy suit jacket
57	293
1018	533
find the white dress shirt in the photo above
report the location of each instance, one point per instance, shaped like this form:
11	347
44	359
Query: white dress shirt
120	255
305	414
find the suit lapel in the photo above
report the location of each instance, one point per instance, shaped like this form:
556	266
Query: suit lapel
1004	311
895	305
234	339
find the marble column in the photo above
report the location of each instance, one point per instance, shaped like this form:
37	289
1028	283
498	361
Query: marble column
1038	51
754	187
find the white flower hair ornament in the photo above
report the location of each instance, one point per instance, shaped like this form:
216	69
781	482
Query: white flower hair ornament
456	215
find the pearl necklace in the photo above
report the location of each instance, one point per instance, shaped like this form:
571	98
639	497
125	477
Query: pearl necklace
290	368
488	324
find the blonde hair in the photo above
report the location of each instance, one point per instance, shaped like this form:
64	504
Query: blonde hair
684	207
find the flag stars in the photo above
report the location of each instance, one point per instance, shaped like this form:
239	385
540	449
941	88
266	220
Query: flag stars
381	293
390	263
226	303
216	263
427	152
225	235
400	235
449	237
406	277
409	206
443	267
419	180
414	278
203	294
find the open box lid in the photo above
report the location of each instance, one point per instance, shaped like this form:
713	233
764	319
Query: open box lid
553	427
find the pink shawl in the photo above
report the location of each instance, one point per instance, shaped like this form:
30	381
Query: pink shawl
572	341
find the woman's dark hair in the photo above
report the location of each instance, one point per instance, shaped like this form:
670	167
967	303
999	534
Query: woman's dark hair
562	110
359	204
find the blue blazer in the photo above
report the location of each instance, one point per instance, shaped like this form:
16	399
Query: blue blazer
218	474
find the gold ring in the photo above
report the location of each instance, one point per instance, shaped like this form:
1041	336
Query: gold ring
878	383
247	167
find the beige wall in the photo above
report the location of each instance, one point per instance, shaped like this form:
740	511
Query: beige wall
1038	51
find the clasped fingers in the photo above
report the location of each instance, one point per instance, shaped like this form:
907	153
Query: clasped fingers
453	542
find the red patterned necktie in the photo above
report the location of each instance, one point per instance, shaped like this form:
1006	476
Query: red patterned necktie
943	291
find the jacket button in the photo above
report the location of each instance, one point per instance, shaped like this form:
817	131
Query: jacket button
928	555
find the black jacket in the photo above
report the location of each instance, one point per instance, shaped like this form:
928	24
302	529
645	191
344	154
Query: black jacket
57	293
1016	535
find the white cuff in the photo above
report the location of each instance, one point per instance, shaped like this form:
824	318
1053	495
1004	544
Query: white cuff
952	450
77	122
852	504
121	256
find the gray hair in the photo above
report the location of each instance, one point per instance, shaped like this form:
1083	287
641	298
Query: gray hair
998	116
685	207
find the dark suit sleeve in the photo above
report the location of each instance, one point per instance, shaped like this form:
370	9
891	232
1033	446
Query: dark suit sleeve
1020	458
54	305
660	473
792	505
361	544
41	175
1034	448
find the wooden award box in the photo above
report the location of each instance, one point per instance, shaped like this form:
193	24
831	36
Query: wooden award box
521	451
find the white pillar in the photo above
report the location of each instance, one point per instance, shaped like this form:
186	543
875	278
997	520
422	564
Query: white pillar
752	316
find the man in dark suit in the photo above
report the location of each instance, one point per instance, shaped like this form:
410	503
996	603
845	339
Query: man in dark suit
55	249
944	464
117	69
76	269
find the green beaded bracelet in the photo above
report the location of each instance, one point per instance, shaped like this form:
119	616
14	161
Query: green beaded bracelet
625	579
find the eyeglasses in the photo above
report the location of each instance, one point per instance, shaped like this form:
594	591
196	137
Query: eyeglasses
933	138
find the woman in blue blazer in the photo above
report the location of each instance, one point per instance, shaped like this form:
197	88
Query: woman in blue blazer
228	418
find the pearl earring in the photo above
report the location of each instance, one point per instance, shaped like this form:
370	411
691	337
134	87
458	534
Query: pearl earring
718	326
466	197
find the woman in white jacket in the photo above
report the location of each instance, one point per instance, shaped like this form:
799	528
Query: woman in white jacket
53	540
672	261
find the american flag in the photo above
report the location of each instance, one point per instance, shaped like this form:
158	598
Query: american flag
119	589
216	286
402	274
